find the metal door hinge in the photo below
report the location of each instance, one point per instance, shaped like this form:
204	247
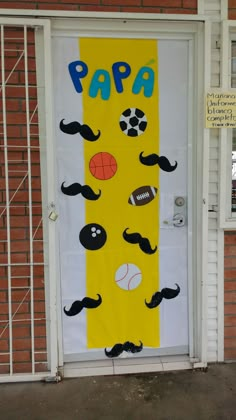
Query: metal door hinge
53	379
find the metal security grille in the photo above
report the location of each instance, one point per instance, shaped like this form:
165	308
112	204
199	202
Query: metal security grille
24	270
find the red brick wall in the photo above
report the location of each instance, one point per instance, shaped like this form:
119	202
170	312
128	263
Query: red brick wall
230	268
232	9
230	295
140	6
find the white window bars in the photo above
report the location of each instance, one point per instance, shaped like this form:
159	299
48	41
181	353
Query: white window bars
25	336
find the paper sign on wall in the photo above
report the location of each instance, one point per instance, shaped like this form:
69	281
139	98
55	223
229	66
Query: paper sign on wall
220	109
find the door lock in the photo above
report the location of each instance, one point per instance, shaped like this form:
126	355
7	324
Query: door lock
53	216
179	201
177	216
180	211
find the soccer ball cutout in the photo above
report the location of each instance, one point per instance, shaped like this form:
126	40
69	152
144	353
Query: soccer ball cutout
133	122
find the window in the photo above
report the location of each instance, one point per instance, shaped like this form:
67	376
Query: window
233	85
227	146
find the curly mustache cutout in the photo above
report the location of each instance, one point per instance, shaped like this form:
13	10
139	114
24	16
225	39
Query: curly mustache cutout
136	238
84	130
78	305
118	348
155	300
161	161
166	293
76	188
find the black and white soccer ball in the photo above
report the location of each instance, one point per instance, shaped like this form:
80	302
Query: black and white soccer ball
133	122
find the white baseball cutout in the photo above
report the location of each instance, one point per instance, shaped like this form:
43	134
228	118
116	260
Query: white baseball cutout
128	276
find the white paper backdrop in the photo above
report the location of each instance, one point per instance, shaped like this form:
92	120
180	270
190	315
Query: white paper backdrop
173	87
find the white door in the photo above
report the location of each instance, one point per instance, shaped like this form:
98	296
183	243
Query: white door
121	125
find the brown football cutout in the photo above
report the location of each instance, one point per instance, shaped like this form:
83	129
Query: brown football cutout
142	195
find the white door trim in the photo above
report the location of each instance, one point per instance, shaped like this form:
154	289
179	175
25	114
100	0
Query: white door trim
200	17
193	33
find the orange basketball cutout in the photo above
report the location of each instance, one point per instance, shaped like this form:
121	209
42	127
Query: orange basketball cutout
103	166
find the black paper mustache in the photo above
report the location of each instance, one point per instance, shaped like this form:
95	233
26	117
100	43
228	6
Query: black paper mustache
76	188
84	130
166	293
78	305
161	161
118	348
136	238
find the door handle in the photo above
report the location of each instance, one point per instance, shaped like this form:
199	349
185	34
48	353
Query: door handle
178	220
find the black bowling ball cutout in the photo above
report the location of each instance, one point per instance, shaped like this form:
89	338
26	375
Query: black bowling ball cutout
93	236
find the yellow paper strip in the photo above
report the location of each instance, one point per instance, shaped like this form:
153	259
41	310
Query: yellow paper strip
123	315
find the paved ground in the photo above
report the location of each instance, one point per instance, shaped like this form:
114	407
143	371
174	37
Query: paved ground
181	395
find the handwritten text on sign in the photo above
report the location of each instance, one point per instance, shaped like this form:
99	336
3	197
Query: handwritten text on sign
220	110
